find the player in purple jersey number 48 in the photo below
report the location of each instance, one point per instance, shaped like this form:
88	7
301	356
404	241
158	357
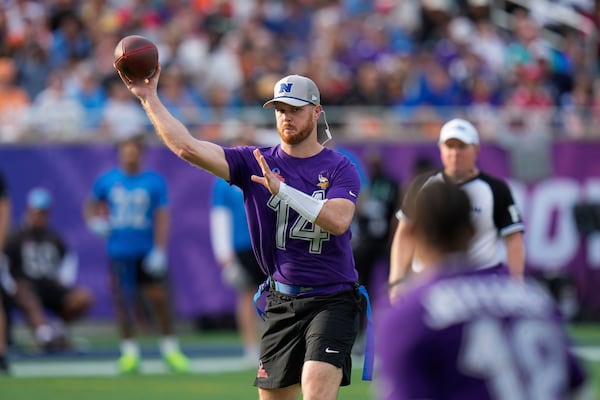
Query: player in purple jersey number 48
468	334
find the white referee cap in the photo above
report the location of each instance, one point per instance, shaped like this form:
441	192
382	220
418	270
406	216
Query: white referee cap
296	91
459	129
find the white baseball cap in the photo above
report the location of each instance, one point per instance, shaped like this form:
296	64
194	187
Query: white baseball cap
459	129
296	91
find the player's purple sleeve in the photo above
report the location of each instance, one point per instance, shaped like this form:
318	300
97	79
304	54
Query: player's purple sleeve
403	354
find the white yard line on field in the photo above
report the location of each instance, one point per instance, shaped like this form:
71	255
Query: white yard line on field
109	367
591	353
87	368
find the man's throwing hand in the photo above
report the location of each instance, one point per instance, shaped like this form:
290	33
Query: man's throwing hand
144	87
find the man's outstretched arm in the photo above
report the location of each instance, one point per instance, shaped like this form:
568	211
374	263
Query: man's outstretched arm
206	155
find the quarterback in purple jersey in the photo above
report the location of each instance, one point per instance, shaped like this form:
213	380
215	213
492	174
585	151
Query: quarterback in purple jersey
300	199
466	334
293	257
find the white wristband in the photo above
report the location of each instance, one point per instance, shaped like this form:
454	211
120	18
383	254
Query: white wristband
305	205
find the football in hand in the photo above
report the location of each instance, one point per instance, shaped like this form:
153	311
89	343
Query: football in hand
136	57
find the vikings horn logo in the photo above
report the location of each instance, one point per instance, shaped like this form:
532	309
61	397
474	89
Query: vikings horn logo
323	182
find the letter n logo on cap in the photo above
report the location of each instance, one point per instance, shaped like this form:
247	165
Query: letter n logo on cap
285	87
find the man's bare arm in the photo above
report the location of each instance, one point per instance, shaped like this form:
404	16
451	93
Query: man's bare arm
401	256
515	254
206	155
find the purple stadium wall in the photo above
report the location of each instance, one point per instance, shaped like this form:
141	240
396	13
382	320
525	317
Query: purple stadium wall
69	170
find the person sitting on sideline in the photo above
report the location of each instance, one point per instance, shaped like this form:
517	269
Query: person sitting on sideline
43	271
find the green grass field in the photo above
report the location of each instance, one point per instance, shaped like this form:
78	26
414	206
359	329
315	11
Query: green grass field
222	386
213	376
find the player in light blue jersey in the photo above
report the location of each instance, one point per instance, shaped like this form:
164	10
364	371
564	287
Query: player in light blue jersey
129	206
300	199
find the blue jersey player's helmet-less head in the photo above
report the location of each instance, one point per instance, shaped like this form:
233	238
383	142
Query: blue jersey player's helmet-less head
298	91
39	199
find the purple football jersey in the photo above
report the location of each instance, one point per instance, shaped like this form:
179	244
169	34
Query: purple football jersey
473	336
288	247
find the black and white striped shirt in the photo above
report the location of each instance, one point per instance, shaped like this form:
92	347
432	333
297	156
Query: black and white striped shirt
494	214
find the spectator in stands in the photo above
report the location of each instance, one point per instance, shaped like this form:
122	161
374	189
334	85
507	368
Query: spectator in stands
576	108
99	17
102	56
122	117
295	26
221	104
435	87
528	145
452	47
483	104
396	76
21	16
530	92
329	73
14	103
525	48
32	62
179	98
70	41
220	70
56	116
367	88
44	273
89	92
488	44
5	47
206	39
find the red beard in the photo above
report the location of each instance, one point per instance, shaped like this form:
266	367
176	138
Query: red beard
299	136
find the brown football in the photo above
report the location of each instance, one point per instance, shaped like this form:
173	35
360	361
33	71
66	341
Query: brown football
136	57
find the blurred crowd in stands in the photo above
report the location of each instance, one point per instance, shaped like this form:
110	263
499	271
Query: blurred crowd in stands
386	68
